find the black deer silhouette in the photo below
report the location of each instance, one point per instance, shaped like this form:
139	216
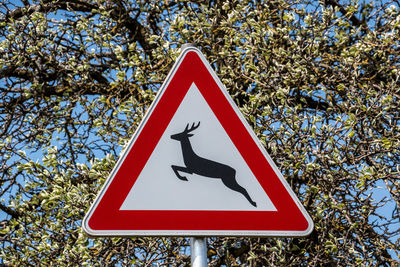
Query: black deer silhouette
205	167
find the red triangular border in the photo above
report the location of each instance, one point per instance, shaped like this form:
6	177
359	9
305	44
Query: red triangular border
105	218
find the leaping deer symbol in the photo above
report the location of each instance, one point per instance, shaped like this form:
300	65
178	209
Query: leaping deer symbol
205	167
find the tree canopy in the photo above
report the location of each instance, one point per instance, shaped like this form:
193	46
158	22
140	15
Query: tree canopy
317	80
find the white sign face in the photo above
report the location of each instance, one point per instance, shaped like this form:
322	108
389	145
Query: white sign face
159	188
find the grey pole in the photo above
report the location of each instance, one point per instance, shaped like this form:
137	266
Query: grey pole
198	249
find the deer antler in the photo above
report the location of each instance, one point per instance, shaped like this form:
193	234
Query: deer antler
186	128
194	127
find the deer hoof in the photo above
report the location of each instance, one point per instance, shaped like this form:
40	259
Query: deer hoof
183	178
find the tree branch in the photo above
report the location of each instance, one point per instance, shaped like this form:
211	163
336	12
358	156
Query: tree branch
356	22
14	214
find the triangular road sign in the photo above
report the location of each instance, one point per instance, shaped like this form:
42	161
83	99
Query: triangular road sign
194	167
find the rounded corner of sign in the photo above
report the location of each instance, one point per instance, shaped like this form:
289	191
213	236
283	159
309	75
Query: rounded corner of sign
309	229
86	228
310	226
188	49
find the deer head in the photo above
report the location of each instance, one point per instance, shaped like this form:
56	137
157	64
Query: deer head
186	133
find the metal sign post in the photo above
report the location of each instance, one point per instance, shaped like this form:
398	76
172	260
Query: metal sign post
198	251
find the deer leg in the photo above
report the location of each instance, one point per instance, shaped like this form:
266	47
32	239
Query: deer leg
178	169
231	183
